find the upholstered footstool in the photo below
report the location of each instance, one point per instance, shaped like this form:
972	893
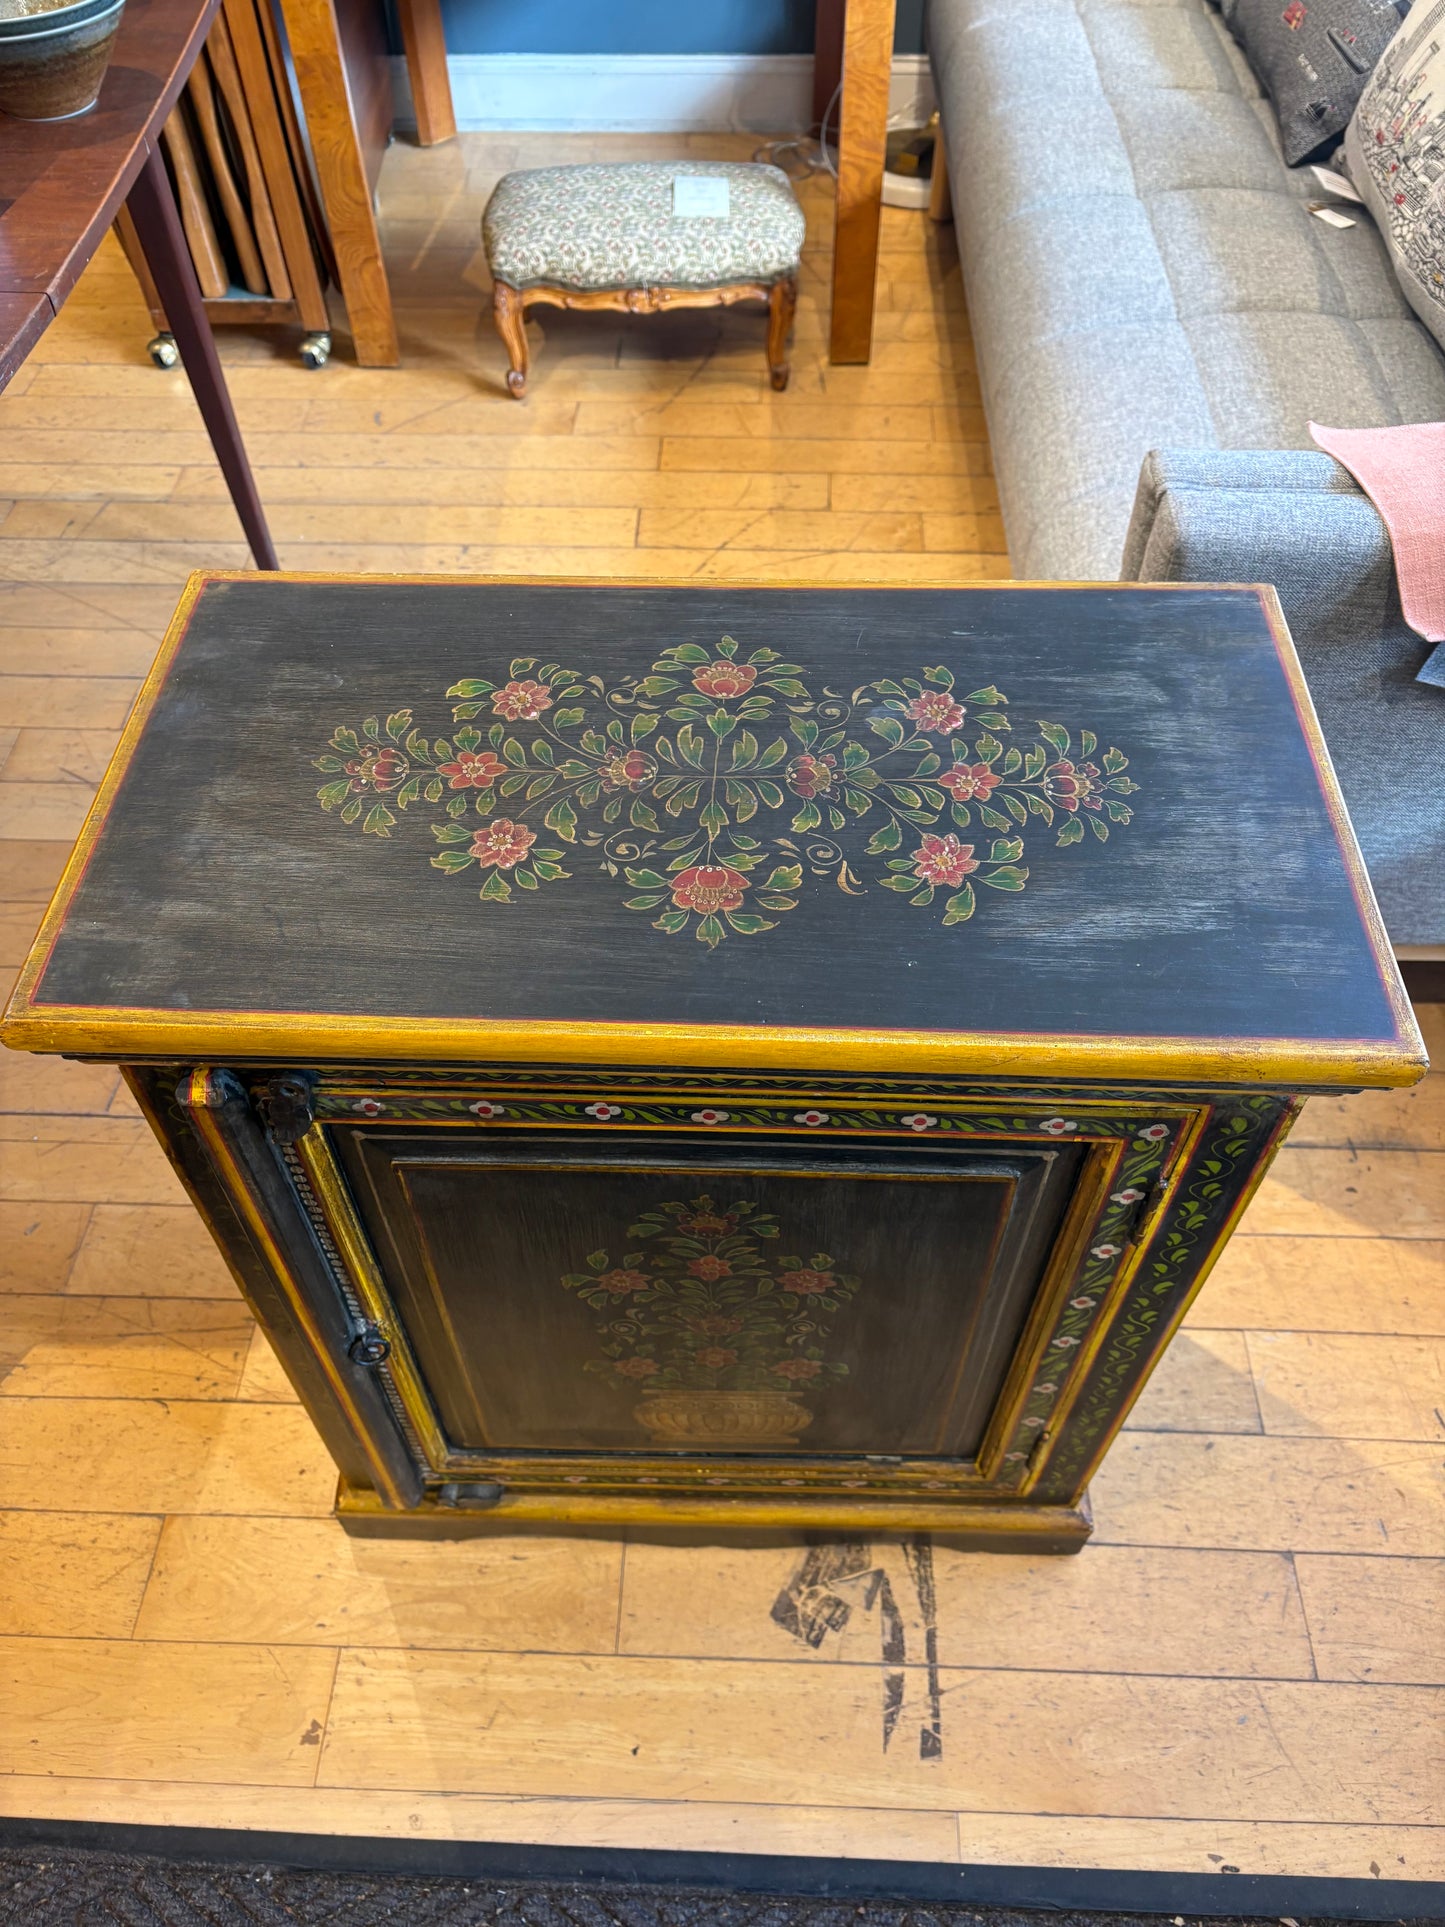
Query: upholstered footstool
602	236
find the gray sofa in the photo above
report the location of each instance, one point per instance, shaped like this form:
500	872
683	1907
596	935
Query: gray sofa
1157	317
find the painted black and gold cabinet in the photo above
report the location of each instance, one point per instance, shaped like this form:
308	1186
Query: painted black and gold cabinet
720	1056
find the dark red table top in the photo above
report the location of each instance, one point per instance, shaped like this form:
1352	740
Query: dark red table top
61	182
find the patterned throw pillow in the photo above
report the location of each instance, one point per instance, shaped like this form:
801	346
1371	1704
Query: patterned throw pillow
1313	57
1395	151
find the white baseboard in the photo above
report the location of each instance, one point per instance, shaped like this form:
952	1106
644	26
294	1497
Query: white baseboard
649	93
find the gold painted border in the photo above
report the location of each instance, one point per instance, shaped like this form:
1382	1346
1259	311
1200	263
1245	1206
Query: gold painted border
338	1208
133	1031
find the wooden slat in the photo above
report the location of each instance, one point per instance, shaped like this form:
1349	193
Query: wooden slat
1376	1619
76	1575
162	1250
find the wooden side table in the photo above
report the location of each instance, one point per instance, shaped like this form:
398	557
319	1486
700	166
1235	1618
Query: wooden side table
720	1056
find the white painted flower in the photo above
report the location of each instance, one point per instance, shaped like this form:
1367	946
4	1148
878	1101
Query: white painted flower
1083	1304
483	1109
1106	1251
919	1121
1129	1195
710	1117
604	1111
1066	1341
1046	1389
1014	1458
368	1107
1056	1126
1033	1420
810	1117
1153	1132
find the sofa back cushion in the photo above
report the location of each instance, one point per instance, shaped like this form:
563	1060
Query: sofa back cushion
1313	58
1395	149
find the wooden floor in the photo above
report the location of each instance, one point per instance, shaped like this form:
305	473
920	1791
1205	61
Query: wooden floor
1243	1670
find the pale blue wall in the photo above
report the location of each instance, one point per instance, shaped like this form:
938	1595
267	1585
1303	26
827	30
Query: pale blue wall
647	26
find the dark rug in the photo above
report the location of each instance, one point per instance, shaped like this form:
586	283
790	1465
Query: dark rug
65	1887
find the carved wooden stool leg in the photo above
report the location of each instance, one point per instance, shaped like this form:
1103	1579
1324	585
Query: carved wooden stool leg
782	302
509	311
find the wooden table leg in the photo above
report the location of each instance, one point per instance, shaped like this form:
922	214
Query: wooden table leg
426	65
867	67
158	229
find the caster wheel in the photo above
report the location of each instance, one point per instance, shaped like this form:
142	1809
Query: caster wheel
164	352
316	350
516	382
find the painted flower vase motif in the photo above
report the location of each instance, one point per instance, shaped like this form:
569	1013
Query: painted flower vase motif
721	1338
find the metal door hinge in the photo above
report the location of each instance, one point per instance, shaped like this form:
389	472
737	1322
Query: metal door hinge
1144	1210
287	1103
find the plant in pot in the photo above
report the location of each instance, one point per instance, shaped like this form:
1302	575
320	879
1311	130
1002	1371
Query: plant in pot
722	1340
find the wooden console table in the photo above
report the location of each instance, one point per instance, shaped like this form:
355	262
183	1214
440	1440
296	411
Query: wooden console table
636	1077
62	183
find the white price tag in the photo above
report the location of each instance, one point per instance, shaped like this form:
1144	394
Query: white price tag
702	196
1336	184
1332	217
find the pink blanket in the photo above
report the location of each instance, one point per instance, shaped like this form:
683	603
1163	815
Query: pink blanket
1402	470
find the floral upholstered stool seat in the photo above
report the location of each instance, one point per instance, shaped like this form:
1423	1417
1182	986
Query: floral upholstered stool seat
627	236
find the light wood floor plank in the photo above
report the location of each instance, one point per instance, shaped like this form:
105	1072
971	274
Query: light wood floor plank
113	1160
1203	1383
305	1582
1349	1194
741	1730
1344	1385
1225	1613
38	1243
1307	1495
74	1575
159	1250
1376	1619
138	1455
152	1348
112	1707
1326	1284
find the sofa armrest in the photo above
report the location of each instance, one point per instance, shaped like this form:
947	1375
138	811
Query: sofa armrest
1299	520
1291	517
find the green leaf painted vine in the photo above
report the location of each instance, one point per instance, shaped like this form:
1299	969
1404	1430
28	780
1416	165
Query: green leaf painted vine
712	785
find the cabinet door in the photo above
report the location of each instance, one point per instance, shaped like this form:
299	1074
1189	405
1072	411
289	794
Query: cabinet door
628	1296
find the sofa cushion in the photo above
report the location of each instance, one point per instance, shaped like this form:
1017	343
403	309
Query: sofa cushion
1395	148
1313	58
1142	268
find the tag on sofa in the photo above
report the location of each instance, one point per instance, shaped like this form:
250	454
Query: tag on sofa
1336	184
1432	670
1331	216
700	196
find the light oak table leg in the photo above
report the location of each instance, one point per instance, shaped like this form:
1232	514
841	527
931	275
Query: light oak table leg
315	36
940	193
867	66
426	63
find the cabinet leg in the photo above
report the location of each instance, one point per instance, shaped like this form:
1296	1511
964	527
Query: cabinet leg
158	229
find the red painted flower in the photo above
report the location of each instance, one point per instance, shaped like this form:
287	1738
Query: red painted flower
502	844
796	1368
706	1222
632	771
379	769
1067	785
522	701
967	780
709	1268
708	888
810	775
619	1282
936	712
715	1358
715	1325
725	679
473	769
637	1367
805	1282
943	859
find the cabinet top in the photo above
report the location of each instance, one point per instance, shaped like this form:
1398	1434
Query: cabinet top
1057	832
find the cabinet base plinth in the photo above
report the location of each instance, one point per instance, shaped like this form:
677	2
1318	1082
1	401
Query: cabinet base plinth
981	1528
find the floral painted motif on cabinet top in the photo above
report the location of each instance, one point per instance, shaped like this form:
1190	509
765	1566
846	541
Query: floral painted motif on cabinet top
710	786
